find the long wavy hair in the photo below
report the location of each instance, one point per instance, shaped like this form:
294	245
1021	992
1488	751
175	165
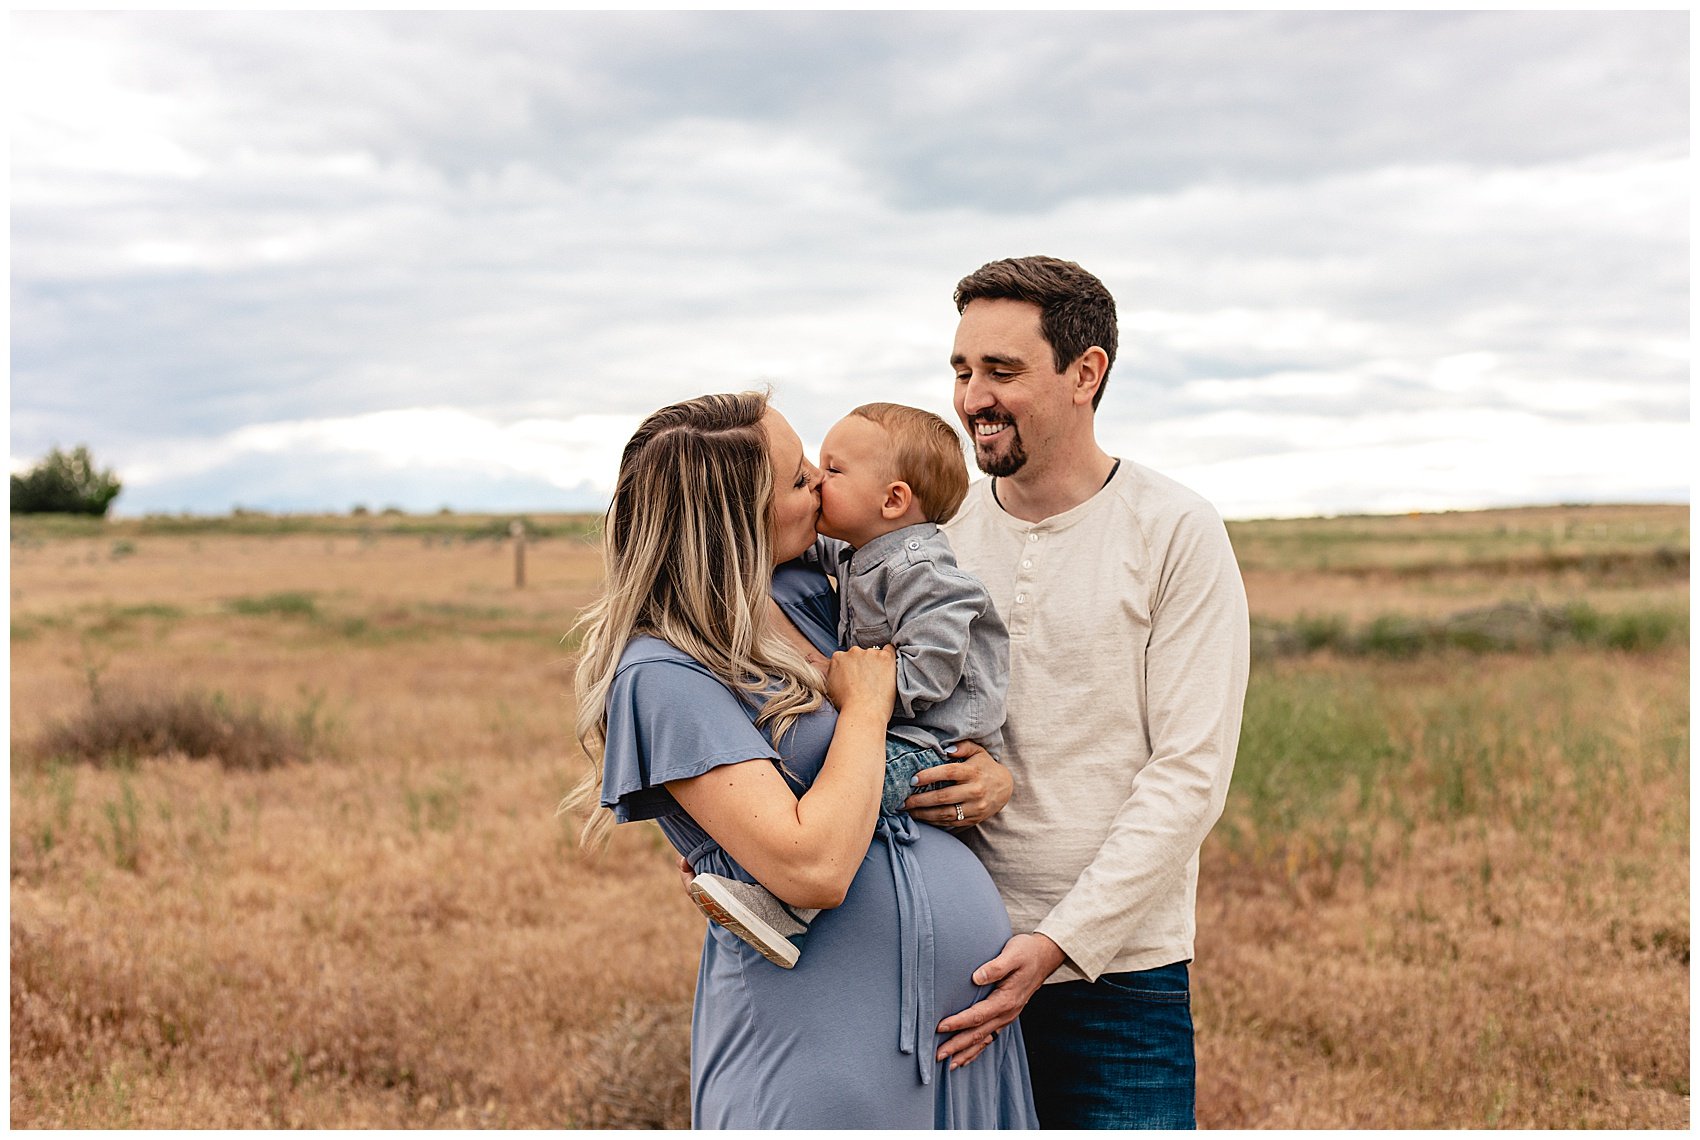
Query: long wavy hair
687	558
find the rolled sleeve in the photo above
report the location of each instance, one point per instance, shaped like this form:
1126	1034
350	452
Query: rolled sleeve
931	610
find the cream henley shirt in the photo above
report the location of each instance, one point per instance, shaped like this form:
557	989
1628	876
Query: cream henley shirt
1129	650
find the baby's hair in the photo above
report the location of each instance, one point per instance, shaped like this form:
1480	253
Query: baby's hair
926	453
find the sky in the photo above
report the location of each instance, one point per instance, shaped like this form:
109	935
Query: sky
1364	262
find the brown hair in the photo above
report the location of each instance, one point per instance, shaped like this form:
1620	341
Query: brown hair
926	453
1076	312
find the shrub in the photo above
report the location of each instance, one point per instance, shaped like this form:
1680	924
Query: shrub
637	1071
1392	635
122	728
1585	623
1314	633
64	483
1648	629
1522	626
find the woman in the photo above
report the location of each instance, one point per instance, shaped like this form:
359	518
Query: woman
699	692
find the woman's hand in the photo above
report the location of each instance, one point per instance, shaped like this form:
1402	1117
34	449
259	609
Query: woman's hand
978	789
806	849
864	680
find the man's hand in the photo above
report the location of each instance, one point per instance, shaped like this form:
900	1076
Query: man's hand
978	783
1018	971
686	874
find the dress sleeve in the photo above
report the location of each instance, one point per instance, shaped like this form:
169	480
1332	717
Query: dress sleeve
668	720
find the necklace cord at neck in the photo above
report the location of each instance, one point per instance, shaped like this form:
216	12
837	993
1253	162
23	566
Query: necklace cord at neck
1114	467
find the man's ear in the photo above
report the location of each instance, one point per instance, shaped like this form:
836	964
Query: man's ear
1089	370
898	497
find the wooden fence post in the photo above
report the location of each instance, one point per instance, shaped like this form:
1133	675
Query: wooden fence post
517	529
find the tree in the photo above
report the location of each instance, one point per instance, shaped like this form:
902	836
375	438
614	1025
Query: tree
66	482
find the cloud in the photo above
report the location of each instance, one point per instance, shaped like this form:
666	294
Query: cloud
1387	464
429	449
274	224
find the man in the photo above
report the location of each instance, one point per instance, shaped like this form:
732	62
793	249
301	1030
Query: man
1129	649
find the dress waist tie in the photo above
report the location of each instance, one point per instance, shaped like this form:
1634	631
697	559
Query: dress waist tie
699	851
915	942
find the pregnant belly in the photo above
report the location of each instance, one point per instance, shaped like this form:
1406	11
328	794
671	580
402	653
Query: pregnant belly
773	1045
846	983
970	924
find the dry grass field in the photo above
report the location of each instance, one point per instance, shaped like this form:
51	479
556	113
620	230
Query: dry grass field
1450	890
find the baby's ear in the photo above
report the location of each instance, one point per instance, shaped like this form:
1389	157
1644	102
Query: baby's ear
898	496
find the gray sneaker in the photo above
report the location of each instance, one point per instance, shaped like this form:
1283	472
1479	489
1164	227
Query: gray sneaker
755	915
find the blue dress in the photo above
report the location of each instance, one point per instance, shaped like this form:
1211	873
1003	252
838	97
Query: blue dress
846	1039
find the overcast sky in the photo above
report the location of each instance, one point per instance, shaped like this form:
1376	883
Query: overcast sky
1364	262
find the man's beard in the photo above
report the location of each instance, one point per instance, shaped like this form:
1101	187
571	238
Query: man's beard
1007	464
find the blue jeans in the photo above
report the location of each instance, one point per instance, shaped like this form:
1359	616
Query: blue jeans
902	761
1115	1053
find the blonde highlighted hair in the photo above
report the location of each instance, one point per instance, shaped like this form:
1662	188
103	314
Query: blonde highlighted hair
687	558
926	453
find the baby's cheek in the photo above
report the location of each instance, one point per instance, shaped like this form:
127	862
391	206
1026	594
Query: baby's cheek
828	503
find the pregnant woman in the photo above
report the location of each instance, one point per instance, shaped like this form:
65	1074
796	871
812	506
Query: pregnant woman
701	692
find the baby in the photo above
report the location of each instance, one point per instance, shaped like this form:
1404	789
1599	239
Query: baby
889	475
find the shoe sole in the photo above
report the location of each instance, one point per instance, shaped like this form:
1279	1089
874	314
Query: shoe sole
740	920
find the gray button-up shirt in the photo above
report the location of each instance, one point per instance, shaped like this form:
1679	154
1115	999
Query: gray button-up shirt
904	589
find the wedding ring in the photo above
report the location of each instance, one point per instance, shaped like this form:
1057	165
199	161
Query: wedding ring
958	813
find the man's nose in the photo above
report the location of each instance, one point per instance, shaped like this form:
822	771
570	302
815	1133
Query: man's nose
977	395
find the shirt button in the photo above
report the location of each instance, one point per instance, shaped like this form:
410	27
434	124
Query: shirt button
1019	598
1032	537
914	545
1027	564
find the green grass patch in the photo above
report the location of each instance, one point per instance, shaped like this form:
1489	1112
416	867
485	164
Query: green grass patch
1305	739
1620	545
30	626
1511	627
1334	762
1640	630
435	808
109	621
458	611
391	623
122	842
97	621
161	611
290	604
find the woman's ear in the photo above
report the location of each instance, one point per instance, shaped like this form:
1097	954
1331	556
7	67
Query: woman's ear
898	498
